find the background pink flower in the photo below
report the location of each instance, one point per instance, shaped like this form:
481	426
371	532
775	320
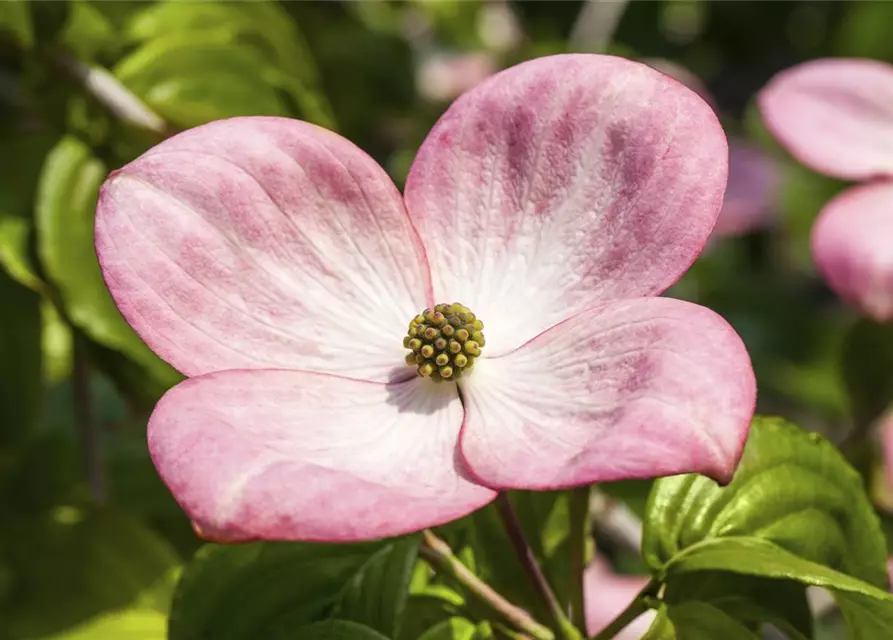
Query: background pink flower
836	116
606	594
277	265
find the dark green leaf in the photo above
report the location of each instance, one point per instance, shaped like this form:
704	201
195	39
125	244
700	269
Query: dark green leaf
376	595
867	609
49	19
697	621
65	207
791	488
749	599
21	376
328	630
252	590
867	365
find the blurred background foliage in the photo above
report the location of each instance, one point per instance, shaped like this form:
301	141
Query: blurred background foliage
90	541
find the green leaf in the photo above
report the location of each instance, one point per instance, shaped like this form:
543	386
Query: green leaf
257	589
867	609
749	599
451	629
262	26
133	624
376	596
329	630
697	621
15	20
867	365
20	164
21	375
65	207
190	79
791	488
75	566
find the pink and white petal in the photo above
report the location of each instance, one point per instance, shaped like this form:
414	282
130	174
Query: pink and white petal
751	193
291	455
635	389
262	243
851	247
562	183
606	594
834	115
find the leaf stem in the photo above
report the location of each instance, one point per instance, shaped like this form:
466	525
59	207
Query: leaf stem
596	24
579	534
87	426
525	554
438	554
635	608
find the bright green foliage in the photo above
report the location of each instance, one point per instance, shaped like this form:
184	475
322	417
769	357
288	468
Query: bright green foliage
206	61
795	511
73	567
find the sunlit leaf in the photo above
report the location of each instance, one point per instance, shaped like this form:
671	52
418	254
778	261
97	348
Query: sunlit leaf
66	201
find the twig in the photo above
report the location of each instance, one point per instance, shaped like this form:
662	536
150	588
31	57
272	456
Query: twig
439	555
86	423
117	98
525	554
580	532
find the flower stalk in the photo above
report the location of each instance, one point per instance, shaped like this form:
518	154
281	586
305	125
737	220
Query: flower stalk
438	554
525	554
579	534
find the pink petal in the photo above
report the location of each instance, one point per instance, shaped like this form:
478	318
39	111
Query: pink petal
851	245
834	115
291	455
635	389
262	243
886	430
751	193
606	594
561	183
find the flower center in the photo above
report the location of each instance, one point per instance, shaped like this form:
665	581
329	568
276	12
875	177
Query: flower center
444	341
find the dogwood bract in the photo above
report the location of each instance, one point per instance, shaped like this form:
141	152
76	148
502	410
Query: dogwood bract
276	265
836	116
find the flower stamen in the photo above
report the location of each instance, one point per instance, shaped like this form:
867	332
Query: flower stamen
444	342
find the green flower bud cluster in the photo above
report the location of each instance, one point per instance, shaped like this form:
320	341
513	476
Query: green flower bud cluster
444	341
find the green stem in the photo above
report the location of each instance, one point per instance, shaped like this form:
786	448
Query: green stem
438	554
580	529
525	554
635	608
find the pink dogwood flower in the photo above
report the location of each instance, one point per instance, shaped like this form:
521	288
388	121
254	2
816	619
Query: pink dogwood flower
276	265
836	117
